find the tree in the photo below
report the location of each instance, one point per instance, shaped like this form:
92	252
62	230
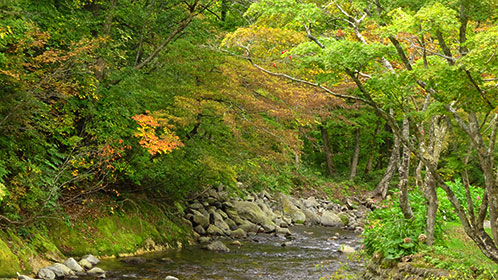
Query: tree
425	54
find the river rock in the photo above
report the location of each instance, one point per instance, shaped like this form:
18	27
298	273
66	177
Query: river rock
85	264
96	271
232	213
170	278
217	246
73	265
346	249
214	230
238	233
330	219
311	203
93	260
291	210
204	239
231	224
250	211
311	217
196	206
200	218
249	227
200	230
61	270
45	274
218	221
344	218
283	231
23	277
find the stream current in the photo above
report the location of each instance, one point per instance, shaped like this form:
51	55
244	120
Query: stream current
312	254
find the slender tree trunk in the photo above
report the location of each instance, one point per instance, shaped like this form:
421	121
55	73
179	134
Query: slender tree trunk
418	174
224	10
436	144
404	172
326	150
371	155
383	185
356	154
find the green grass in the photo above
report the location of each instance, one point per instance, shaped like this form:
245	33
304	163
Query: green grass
461	255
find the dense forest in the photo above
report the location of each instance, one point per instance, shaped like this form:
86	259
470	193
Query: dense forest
107	101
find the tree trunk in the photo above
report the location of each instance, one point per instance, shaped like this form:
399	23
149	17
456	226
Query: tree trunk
383	185
404	172
326	150
371	155
356	154
436	144
224	10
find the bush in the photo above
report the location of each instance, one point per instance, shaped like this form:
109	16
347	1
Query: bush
392	236
446	209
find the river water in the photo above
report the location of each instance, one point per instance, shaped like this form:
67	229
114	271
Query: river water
312	254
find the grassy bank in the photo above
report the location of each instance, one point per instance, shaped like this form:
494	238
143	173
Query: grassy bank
460	255
98	229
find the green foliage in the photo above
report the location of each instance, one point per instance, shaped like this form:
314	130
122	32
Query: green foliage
389	235
445	208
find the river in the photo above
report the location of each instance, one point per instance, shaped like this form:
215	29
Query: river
311	254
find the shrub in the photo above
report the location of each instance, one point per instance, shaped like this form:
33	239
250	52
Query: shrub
392	236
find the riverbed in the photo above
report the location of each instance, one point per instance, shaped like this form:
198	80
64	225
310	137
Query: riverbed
311	253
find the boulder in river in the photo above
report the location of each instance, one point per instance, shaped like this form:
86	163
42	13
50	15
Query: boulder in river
290	209
46	274
214	230
217	246
238	233
73	265
346	249
90	258
61	270
96	271
85	264
330	219
23	277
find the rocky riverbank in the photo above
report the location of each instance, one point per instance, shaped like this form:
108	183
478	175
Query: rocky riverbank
215	214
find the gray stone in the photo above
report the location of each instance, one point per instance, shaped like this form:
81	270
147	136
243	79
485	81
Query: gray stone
96	271
73	265
345	249
222	213
311	217
250	211
93	260
310	202
85	264
45	274
330	219
204	239
232	213
231	224
238	233
217	246
290	209
23	277
214	230
200	230
200	218
249	227
284	231
170	278
61	270
195	205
